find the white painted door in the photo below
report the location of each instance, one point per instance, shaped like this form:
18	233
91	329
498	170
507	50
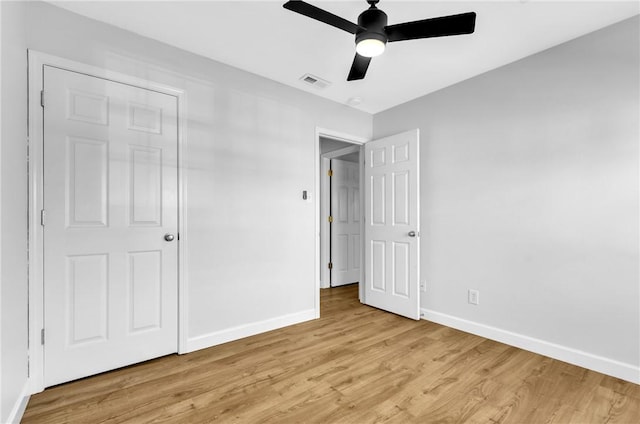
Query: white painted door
345	228
392	226
110	196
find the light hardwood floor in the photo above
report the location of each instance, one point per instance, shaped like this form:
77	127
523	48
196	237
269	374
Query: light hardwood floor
354	365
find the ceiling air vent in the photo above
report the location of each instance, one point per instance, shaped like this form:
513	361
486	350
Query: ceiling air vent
315	81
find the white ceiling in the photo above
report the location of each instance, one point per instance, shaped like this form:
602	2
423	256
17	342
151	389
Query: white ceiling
264	38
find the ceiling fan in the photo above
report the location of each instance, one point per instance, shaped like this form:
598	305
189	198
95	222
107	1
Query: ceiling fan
372	32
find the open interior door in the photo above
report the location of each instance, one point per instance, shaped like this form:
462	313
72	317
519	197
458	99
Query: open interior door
345	226
392	227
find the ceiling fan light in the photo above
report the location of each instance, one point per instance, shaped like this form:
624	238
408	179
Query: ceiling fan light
370	47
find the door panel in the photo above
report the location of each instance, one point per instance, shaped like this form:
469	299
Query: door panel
400	198
87	298
145	290
378	200
87	182
400	261
110	195
378	275
345	228
392	202
145	186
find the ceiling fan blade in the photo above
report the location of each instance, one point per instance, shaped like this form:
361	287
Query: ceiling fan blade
463	23
318	14
359	67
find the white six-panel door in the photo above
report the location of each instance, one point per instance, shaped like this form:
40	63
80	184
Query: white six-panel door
392	224
345	228
110	197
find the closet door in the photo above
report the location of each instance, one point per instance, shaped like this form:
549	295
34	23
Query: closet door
110	220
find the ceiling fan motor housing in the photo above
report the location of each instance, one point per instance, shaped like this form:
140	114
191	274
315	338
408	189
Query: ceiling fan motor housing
373	20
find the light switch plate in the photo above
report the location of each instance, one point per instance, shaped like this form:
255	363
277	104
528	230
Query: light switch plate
474	297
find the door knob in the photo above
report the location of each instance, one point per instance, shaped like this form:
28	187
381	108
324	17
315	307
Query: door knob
169	237
412	234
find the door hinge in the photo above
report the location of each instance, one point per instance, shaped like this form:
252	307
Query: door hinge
330	173
42	98
42	336
43	216
330	266
330	219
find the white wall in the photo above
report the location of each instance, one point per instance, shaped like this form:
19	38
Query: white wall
13	222
529	193
250	243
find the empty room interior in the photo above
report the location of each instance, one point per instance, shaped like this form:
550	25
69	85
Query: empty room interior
320	211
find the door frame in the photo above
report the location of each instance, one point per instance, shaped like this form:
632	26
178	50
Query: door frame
321	228
325	196
36	62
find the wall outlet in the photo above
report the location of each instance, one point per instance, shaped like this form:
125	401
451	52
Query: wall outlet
423	286
474	297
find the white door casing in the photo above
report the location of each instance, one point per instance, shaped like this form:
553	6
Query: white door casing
110	196
345	228
392	226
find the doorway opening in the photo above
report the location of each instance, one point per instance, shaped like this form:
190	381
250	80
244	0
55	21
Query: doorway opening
340	200
389	200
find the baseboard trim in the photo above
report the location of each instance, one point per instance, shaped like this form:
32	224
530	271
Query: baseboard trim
580	358
21	405
241	331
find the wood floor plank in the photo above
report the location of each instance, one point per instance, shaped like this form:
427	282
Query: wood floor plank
356	364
